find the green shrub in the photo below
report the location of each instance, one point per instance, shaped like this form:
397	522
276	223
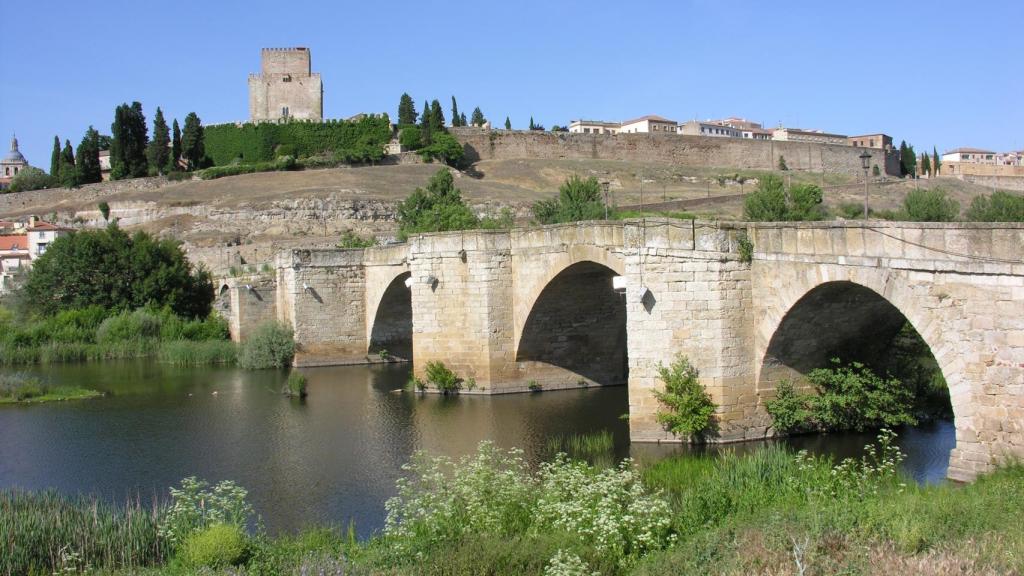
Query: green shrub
272	345
282	164
999	207
350	239
129	326
198	353
770	202
443	147
846	397
930	205
411	137
296	385
689	409
578	199
745	247
31	178
217	546
19	387
443	378
195	506
438	208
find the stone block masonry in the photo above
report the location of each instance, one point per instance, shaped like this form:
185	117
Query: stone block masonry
482	144
506	308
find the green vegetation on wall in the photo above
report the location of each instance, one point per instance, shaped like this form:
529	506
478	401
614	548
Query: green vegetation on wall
363	139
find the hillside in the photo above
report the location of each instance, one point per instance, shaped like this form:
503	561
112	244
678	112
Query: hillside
248	217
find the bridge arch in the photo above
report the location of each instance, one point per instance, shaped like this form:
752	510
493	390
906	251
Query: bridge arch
389	317
575	326
854	317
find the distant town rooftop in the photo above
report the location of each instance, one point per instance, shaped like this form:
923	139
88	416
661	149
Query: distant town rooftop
968	150
650	117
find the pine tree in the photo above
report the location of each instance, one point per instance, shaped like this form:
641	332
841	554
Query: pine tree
157	152
478	117
128	142
88	161
508	123
193	149
55	158
436	117
406	110
68	174
926	164
936	161
173	161
904	162
456	119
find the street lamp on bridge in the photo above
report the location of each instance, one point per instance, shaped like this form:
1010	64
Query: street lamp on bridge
865	160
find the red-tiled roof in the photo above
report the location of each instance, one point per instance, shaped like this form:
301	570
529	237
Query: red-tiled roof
45	226
651	117
13	242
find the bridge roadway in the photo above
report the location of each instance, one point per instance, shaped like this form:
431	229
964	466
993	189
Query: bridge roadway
605	303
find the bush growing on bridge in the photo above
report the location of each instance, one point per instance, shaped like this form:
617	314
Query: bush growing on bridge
578	199
272	345
689	409
443	378
999	207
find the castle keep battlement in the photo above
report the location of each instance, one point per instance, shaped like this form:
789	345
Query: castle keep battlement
286	88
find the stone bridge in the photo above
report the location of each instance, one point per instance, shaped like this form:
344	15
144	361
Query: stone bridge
604	303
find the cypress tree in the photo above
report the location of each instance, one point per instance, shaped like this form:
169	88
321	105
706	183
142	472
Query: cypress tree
462	120
172	162
406	110
926	164
508	123
192	146
88	164
157	151
436	117
478	117
936	161
425	124
903	158
532	125
128	142
55	158
456	119
68	174
912	161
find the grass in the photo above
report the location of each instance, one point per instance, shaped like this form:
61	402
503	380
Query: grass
296	385
198	353
766	512
24	389
582	446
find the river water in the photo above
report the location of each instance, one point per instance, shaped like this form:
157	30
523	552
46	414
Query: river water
327	460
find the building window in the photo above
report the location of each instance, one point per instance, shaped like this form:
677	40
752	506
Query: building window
586	130
284	111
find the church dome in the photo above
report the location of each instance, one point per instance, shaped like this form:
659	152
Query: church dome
14	156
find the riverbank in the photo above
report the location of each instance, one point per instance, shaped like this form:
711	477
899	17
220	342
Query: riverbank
768	512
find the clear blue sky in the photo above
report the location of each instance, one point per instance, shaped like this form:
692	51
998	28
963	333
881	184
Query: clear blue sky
933	73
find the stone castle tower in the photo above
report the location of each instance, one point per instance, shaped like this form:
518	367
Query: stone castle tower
285	88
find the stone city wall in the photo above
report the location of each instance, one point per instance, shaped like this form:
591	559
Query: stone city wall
483	144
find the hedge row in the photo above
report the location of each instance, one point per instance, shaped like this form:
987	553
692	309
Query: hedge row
248	143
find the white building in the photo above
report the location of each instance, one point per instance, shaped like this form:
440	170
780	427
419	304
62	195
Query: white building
970	155
594	127
802	135
25	244
650	123
708	128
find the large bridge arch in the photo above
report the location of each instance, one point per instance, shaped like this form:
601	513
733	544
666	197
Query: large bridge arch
389	314
575	330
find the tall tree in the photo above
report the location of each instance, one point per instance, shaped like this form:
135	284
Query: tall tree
172	162
406	110
128	142
55	158
436	117
478	117
425	124
532	125
158	150
193	149
936	161
903	158
88	161
462	120
926	164
508	123
456	119
68	174
912	161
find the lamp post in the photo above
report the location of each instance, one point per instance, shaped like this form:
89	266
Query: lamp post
865	159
